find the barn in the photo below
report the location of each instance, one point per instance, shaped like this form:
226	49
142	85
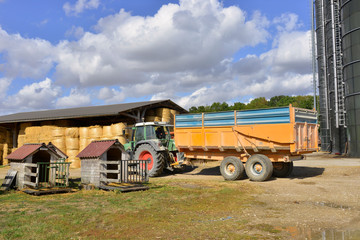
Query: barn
71	130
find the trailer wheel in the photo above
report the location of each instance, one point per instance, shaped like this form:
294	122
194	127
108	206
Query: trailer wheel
156	159
232	168
259	168
283	169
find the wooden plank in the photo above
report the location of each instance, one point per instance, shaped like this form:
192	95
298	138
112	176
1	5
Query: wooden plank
30	184
9	180
110	162
46	191
30	165
125	188
31	174
110	171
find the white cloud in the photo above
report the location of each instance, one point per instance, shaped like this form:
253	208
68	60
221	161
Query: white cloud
77	32
129	49
28	58
287	22
184	52
77	98
111	96
40	95
80	6
4	85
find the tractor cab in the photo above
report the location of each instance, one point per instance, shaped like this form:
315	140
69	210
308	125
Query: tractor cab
152	141
158	132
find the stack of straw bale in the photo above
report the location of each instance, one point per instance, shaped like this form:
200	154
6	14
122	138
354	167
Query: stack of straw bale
70	140
72	146
5	145
161	115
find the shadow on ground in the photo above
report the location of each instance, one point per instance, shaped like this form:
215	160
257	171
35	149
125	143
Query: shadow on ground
306	172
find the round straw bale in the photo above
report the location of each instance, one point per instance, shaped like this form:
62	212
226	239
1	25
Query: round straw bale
121	139
75	162
163	112
72	132
58	132
60	143
117	129
72	152
84	132
83	142
72	143
95	131
107	131
4	154
152	119
21	140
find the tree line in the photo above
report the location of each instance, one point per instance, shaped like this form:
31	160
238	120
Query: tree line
261	102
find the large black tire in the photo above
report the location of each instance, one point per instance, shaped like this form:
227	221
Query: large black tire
259	168
282	169
156	159
232	168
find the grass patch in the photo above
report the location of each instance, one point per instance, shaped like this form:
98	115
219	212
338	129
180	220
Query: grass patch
169	210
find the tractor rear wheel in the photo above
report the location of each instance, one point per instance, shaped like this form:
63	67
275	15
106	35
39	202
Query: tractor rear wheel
156	159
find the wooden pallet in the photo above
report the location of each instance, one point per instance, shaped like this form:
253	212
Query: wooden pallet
124	187
39	192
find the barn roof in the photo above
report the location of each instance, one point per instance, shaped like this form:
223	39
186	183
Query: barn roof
97	148
93	111
28	149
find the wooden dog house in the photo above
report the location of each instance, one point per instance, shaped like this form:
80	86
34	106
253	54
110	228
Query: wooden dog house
106	161
39	165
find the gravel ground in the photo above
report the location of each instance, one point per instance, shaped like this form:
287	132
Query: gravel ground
319	200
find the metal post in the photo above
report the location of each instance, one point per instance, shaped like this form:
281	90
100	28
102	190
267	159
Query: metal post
313	51
334	63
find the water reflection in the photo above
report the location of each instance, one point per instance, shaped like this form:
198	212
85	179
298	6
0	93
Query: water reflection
322	234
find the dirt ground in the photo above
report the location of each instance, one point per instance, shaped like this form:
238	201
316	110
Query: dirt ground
319	200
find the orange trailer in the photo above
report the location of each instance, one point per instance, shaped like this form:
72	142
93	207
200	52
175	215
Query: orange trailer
266	141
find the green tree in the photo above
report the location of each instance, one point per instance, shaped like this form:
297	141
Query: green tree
238	106
304	102
281	101
193	109
256	103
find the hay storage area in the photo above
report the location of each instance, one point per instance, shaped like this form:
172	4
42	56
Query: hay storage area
5	145
72	139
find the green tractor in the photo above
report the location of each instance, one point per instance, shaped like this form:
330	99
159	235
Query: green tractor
152	141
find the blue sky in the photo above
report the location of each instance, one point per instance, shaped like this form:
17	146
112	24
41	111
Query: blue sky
60	54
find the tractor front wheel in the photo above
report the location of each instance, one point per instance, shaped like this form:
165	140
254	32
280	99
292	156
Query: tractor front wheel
156	159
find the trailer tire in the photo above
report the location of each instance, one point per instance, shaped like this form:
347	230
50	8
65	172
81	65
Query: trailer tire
232	168
282	170
157	159
259	168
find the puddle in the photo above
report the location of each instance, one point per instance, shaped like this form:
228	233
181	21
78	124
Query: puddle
332	205
305	233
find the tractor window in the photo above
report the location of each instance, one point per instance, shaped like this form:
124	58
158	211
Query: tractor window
150	134
160	133
139	134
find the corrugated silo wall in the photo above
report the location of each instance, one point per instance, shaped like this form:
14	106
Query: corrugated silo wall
350	15
333	136
321	60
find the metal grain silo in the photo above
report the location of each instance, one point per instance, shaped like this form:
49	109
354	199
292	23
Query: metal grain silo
331	85
350	28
